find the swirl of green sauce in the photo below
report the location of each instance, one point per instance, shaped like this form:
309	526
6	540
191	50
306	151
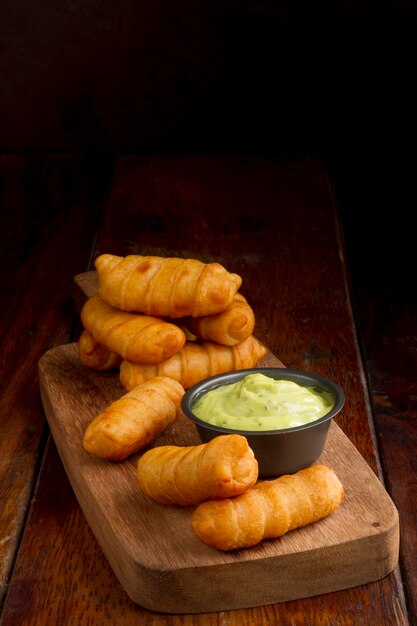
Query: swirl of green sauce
258	402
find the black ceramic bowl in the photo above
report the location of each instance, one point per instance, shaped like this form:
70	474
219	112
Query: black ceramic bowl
278	452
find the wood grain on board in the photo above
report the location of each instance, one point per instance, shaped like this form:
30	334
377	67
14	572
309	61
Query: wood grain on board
161	564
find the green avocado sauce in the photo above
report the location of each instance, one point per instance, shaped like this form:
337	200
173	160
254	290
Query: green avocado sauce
258	402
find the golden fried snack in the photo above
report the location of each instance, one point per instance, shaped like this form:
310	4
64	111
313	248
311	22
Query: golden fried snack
137	418
166	287
223	467
230	327
196	361
135	337
269	509
95	356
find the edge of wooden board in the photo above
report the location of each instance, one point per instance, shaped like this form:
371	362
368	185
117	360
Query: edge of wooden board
172	571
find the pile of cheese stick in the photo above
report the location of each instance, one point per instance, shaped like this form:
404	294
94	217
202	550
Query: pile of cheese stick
166	324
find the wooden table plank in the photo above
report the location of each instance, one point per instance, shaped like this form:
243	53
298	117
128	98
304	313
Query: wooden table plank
386	308
50	207
275	223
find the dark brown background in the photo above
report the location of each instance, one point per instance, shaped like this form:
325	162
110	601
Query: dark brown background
235	75
333	79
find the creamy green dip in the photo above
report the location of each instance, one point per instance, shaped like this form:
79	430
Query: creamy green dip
258	402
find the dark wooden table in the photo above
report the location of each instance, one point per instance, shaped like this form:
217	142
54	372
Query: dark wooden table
275	222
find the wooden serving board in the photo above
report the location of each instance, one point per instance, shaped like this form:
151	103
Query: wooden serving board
152	549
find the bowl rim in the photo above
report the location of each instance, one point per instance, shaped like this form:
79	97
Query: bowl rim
213	382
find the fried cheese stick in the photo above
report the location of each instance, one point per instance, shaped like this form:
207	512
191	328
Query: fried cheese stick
96	356
135	337
187	475
268	510
230	327
165	287
196	361
134	420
